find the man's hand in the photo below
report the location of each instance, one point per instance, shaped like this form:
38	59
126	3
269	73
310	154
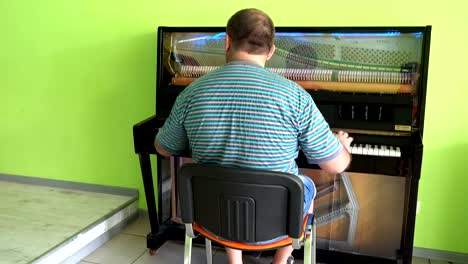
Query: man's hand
345	139
340	162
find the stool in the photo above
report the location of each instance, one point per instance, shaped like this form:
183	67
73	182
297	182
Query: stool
238	207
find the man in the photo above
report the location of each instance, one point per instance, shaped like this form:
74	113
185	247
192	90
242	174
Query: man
243	115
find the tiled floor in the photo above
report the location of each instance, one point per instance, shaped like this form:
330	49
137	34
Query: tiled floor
129	247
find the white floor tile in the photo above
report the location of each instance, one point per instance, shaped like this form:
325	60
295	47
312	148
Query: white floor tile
171	253
122	249
417	260
139	227
439	262
220	257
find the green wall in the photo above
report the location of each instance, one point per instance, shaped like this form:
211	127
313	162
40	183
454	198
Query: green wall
76	75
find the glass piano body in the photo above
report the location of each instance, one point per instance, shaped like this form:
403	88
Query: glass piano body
369	81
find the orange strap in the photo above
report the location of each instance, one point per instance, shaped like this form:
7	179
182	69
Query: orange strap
242	246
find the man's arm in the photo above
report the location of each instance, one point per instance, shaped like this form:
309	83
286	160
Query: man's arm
172	137
340	162
319	144
160	149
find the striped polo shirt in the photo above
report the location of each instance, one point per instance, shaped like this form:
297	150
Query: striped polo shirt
243	115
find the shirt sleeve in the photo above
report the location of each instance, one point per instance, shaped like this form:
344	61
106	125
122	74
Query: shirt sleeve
172	136
316	140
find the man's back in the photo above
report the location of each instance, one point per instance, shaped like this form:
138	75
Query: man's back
243	115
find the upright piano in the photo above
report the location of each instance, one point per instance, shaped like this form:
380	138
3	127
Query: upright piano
368	81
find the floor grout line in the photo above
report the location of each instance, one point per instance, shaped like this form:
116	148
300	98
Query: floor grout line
130	234
141	255
86	261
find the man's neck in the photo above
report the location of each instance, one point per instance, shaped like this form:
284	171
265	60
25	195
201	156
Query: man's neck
244	56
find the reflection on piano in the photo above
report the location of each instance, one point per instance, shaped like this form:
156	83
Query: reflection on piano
335	204
370	82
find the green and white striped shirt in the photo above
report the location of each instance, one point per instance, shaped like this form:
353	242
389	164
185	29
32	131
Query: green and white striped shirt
244	115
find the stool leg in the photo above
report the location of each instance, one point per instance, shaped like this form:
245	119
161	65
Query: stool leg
307	247
188	250
314	241
307	251
209	253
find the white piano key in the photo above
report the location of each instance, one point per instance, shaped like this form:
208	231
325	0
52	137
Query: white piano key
381	152
398	151
354	149
387	151
365	150
393	152
375	150
372	150
359	150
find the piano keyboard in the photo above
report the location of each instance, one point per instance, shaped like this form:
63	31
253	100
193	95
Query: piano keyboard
375	150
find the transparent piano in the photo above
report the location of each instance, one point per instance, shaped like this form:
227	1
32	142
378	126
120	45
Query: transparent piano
369	81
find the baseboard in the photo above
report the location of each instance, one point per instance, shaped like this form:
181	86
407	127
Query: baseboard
101	240
70	185
455	257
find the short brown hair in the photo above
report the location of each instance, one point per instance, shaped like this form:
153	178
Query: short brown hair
251	30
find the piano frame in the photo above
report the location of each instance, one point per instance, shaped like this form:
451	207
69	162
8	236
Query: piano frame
144	133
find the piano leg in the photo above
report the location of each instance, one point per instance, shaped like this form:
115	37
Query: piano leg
412	183
160	232
151	238
145	165
406	253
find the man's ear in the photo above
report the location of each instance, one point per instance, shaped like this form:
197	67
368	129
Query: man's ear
271	52
228	43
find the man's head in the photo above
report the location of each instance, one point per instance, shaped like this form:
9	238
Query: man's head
250	31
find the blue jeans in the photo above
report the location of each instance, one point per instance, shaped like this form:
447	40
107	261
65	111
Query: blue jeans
309	195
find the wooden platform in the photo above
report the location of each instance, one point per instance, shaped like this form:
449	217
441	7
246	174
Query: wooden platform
44	221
